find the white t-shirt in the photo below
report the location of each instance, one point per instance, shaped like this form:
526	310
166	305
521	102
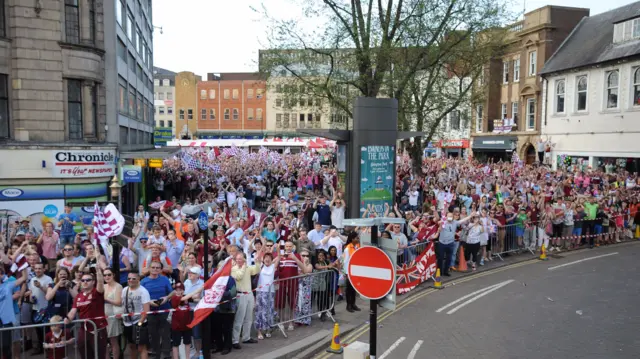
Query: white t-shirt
336	242
337	216
316	237
413	198
41	301
132	302
266	277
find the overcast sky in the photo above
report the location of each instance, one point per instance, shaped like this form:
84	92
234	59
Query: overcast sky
225	35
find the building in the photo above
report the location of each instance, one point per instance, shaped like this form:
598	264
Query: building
128	34
592	88
54	107
509	118
164	89
186	104
231	105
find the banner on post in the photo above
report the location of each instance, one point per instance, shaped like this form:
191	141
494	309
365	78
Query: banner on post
409	276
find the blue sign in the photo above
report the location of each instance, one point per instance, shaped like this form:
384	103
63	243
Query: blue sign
377	170
203	221
132	174
50	211
161	135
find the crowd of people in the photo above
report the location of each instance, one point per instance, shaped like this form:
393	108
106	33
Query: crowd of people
279	218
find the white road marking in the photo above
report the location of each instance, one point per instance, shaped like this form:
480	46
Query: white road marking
371	272
414	351
392	347
583	260
471	295
480	296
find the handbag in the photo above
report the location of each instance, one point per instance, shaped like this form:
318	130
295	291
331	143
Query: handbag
319	283
139	331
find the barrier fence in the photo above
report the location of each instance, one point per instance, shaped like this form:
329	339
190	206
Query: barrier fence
296	300
72	341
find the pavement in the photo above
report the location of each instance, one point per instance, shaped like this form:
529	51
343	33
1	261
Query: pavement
580	304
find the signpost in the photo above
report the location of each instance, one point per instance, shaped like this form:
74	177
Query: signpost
203	224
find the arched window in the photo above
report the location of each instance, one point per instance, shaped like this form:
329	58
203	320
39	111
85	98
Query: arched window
636	87
560	96
612	89
582	93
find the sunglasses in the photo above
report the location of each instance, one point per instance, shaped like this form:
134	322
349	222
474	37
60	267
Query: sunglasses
304	255
68	249
86	280
107	274
156	268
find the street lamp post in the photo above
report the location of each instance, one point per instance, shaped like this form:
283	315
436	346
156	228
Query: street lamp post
116	191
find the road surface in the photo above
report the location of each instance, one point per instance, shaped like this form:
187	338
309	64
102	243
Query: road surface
584	305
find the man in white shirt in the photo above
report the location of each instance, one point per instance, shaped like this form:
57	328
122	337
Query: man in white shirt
334	239
316	235
135	299
37	290
413	198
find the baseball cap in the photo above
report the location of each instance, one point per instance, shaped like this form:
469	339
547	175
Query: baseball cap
179	285
20	233
194	270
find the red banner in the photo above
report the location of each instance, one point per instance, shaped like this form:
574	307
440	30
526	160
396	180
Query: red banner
420	269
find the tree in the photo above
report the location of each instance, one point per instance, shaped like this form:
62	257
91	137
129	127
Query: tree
340	49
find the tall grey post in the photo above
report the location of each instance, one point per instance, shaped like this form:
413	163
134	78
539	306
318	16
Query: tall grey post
375	123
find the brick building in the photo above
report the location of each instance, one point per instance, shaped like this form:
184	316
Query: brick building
186	104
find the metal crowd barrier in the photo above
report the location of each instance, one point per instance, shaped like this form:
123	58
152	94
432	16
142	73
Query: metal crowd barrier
82	345
513	239
409	254
299	298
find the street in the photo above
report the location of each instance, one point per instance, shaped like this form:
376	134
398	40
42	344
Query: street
577	305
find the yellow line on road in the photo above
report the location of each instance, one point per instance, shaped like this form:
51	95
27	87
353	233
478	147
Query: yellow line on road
365	327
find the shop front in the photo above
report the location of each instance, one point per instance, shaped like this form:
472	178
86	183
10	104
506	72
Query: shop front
494	148
454	148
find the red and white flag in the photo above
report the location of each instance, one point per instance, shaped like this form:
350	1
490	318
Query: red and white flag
19	264
109	223
213	290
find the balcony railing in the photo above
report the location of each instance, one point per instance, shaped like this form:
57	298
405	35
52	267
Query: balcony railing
517	26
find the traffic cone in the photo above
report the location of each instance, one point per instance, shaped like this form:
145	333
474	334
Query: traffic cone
462	262
637	231
437	283
543	253
335	347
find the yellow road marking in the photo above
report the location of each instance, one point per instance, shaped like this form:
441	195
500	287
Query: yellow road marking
365	327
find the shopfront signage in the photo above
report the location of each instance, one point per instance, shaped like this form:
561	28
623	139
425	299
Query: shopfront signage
454	143
12	192
155	163
83	164
132	174
140	162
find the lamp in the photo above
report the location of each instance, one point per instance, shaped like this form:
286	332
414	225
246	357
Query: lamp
115	187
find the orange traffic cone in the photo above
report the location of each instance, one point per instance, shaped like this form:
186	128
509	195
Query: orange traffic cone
543	253
437	283
462	262
637	231
335	341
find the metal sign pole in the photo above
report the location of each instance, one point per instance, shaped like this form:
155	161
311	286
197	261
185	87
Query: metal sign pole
206	329
373	307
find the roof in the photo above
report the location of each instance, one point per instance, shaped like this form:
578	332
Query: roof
591	42
159	71
235	76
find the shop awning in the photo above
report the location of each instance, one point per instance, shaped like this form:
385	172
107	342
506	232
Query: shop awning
163	152
494	142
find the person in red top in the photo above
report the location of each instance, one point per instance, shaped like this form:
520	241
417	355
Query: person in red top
89	304
290	265
179	321
56	340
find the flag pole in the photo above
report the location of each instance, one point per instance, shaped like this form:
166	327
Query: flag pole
206	329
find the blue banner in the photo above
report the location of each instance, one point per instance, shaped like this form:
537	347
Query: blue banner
132	174
161	135
377	175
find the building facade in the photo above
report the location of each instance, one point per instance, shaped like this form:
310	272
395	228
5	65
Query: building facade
509	118
164	90
231	105
53	107
592	88
186	104
128	36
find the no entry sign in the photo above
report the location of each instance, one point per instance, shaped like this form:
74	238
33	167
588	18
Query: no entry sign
371	272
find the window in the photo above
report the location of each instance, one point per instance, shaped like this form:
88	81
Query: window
181	114
560	96
120	12
505	72
140	107
636	87
479	118
139	41
160	95
278	102
259	93
582	93
533	58
454	119
212	94
161	122
166	82
235	94
226	94
514	112
161	110
203	94
212	114
258	114
503	111
122	95
124	135
139	72
130	24
132	101
250	93
190	114
309	102
170	123
156	82
250	114
121	49
531	114
132	62
278	120
169	110
516	70
235	114
92	21
4	105
278	88
74	106
71	21
169	95
226	113
612	89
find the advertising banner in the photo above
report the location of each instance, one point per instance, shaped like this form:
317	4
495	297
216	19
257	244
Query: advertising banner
132	174
83	164
377	175
161	135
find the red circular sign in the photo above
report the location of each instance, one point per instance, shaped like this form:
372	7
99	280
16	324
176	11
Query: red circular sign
371	272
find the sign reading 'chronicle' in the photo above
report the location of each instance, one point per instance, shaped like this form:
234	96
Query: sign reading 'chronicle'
376	178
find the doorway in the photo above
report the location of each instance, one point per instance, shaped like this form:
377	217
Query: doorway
530	154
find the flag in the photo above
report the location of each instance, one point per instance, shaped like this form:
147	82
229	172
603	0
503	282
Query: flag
109	223
189	162
19	264
214	288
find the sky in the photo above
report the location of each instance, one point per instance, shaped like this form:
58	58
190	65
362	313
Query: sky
205	36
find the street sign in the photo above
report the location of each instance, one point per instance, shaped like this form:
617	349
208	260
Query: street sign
371	272
203	221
